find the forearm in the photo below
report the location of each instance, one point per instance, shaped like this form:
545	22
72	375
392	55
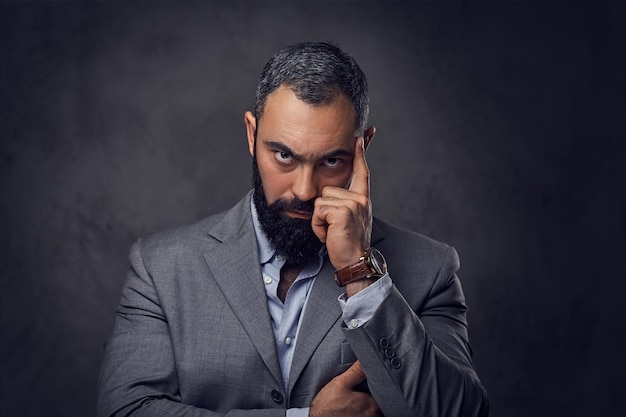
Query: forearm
407	373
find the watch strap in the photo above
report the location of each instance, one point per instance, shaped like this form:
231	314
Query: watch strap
352	273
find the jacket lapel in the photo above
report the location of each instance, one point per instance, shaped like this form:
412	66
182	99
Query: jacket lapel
235	267
321	313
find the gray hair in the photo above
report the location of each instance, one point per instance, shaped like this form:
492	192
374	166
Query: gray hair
316	72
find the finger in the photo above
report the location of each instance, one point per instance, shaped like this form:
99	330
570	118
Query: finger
346	213
353	375
319	225
326	215
337	196
360	173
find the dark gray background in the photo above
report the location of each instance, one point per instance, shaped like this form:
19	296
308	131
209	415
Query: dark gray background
500	131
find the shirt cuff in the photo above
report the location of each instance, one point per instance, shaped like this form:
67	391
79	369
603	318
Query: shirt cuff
359	308
297	412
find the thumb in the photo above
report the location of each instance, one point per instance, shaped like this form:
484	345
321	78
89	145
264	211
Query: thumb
353	375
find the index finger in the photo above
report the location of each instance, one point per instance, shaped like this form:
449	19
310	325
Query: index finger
360	183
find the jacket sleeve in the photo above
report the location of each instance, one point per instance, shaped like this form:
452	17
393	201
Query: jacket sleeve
417	360
138	375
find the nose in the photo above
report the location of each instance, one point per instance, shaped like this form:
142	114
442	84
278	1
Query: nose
305	186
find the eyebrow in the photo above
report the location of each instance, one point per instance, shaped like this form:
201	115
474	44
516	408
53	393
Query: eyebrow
284	148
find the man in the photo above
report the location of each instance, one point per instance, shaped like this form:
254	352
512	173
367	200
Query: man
284	305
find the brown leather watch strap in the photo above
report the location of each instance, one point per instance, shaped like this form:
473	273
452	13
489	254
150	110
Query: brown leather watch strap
352	273
372	265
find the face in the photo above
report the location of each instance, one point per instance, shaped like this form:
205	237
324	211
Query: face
302	148
298	149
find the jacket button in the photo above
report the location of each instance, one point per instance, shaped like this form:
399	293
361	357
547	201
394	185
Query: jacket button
383	342
389	353
277	396
396	363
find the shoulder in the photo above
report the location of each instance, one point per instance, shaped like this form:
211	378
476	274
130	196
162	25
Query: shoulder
410	243
414	259
190	236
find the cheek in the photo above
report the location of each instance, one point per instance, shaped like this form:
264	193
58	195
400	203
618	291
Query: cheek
275	188
275	183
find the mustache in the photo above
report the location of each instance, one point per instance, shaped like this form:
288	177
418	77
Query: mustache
294	204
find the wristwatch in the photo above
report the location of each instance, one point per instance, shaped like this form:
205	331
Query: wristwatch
371	265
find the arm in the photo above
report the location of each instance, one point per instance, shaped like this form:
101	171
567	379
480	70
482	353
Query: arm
139	373
421	365
415	366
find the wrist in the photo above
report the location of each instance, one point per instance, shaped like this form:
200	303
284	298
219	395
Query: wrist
369	268
355	287
348	260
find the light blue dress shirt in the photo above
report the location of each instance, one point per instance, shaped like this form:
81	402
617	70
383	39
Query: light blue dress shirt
286	317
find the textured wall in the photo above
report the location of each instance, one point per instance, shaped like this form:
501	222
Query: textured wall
500	131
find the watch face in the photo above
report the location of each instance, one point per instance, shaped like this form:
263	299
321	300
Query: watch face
378	261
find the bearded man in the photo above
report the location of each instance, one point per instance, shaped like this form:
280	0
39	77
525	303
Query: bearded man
285	305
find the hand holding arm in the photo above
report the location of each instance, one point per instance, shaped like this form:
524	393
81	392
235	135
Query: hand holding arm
339	398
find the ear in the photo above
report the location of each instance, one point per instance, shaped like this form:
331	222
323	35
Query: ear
368	136
250	121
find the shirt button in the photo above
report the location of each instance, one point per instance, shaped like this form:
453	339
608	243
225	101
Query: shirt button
288	340
354	323
279	258
268	279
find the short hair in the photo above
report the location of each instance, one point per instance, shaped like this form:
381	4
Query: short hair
316	72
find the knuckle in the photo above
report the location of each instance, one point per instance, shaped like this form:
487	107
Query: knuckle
321	211
364	201
346	211
353	205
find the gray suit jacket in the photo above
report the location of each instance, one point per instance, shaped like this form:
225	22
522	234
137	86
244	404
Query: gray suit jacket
193	335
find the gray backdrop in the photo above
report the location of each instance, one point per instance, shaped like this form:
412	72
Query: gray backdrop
500	131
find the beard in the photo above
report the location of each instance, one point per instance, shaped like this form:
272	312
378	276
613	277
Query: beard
290	238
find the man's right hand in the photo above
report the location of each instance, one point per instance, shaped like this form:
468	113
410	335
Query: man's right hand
339	399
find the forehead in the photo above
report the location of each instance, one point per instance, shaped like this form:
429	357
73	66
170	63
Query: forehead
307	128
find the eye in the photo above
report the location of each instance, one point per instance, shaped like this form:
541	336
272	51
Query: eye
283	157
333	162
